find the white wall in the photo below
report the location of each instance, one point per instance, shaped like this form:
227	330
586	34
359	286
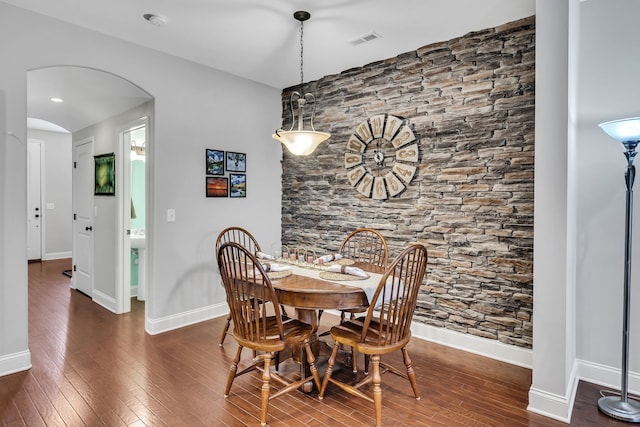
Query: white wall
579	240
195	108
56	190
551	391
607	89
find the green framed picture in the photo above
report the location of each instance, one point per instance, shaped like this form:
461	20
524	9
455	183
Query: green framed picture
105	171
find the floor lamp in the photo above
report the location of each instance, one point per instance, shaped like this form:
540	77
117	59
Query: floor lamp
627	131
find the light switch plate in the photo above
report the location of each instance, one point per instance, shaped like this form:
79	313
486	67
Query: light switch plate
171	215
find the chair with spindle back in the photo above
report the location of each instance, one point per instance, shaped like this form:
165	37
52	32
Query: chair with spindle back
386	326
258	323
363	245
244	238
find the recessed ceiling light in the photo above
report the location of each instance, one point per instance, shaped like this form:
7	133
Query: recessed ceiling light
157	20
57	100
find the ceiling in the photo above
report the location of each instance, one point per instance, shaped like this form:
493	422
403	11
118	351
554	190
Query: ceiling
260	40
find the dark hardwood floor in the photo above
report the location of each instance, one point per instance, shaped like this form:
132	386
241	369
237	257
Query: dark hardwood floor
91	367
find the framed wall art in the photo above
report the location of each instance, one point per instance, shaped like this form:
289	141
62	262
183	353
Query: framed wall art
238	185
105	175
217	186
235	162
215	162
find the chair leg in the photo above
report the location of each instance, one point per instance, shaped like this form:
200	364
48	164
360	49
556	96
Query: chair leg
377	389
410	374
327	374
311	360
354	362
226	329
233	371
266	377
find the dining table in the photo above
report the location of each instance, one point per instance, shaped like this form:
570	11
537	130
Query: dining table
309	294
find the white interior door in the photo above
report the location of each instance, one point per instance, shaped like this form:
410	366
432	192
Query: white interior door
83	179
34	210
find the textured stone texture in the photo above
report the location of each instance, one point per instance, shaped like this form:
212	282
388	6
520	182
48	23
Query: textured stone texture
470	103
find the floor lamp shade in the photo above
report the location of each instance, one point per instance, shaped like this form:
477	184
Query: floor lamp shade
627	131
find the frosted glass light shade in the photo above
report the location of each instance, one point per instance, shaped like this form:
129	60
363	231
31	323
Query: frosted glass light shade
300	142
623	130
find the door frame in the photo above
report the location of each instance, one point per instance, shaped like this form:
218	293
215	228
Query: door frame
123	244
41	190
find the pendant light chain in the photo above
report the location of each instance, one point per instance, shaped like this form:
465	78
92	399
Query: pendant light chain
301	58
297	139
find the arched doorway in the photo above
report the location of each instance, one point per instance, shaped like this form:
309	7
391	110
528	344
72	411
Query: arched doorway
95	106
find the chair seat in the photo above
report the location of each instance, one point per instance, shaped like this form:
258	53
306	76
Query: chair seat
295	332
350	332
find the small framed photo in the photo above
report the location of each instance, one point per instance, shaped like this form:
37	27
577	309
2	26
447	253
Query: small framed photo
215	162
217	186
105	171
236	162
238	185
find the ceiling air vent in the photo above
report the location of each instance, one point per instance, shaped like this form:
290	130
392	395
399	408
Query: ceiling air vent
365	38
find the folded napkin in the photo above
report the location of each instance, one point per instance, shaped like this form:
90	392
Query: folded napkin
353	271
272	266
262	255
330	257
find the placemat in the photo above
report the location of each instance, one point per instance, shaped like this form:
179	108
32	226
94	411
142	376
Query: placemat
342	261
330	275
273	275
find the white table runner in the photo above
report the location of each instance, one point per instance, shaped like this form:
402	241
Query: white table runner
368	285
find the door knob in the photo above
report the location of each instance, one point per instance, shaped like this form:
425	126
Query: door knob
88	228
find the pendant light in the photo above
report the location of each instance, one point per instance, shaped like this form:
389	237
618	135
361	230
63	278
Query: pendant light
299	141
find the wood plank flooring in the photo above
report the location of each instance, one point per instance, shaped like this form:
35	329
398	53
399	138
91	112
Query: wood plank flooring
94	368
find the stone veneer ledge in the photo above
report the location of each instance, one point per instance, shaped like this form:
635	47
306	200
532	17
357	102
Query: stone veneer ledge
470	102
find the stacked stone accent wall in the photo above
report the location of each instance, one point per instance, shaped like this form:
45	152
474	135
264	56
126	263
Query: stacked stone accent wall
470	102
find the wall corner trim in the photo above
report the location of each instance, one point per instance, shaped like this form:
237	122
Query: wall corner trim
554	405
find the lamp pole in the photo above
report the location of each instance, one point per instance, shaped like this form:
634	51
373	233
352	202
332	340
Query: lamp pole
621	407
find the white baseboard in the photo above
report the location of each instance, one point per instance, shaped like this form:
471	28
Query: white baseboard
607	376
554	405
470	343
16	362
169	323
105	300
56	255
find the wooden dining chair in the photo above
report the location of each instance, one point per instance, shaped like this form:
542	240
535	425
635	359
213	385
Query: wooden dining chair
258	323
385	328
243	237
365	245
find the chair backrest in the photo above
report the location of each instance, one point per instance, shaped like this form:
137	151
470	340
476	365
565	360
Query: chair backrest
396	297
366	245
250	295
238	235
